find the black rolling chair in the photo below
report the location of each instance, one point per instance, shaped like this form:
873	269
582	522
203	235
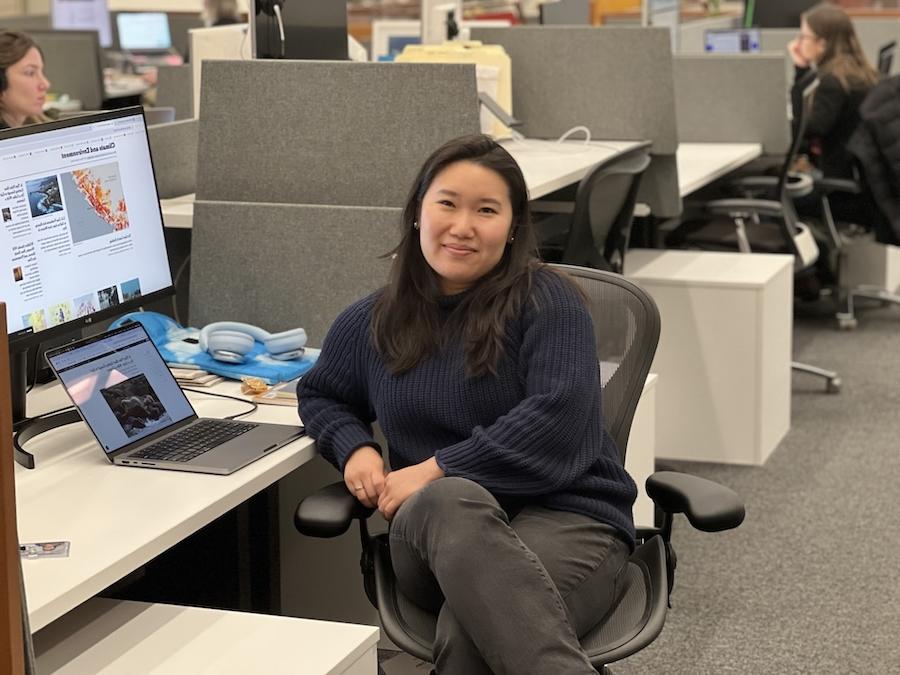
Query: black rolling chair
886	57
751	224
626	321
594	229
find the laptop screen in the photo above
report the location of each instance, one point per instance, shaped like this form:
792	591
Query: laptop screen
143	31
121	385
732	41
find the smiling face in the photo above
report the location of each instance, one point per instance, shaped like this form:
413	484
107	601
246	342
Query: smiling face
26	89
465	224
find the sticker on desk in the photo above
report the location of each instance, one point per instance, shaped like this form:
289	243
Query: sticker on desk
45	549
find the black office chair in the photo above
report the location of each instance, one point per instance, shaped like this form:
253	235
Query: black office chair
886	57
593	230
751	224
626	321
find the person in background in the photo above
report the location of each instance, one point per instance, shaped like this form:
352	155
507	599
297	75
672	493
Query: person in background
23	87
827	47
220	12
509	508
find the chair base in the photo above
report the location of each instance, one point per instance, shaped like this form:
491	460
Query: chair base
847	320
832	379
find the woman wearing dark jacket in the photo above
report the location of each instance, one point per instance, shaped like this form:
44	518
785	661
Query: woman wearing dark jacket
827	47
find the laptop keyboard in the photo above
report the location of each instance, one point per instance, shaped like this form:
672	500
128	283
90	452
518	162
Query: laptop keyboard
201	436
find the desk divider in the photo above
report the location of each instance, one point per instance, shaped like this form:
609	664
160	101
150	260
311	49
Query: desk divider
174	150
874	33
615	81
741	98
72	63
280	266
326	132
175	88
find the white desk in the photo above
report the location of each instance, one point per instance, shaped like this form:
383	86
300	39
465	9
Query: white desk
109	637
699	164
546	165
550	165
119	518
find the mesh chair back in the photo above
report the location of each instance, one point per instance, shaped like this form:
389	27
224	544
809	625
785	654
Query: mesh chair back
604	212
626	326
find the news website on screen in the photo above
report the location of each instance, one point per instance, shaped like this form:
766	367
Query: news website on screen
81	225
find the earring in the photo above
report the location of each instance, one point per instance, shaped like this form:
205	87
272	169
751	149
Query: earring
511	239
415	224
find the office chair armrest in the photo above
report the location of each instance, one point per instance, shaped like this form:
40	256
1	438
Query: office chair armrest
329	512
798	184
732	207
829	185
709	507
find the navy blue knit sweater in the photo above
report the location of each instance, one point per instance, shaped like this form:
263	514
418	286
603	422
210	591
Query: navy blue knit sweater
531	434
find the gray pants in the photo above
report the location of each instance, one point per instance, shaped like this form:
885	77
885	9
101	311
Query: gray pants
511	595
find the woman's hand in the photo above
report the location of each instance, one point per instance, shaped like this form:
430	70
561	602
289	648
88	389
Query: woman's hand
364	475
400	485
793	48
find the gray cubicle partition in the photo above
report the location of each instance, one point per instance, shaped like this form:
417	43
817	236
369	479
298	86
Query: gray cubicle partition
615	81
733	98
874	34
174	150
25	23
280	266
175	88
73	64
324	132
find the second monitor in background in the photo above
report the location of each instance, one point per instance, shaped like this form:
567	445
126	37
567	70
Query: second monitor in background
732	41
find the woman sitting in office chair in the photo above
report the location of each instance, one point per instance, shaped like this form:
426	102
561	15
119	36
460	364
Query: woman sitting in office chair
827	47
510	509
23	87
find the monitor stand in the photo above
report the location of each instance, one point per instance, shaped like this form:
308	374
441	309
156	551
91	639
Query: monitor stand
26	429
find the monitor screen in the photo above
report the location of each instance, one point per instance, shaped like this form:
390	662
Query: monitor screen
732	41
143	31
82	228
83	15
775	13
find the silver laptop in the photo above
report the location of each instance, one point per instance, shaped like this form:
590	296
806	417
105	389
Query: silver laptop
130	400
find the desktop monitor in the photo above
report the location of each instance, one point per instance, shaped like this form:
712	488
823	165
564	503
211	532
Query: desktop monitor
83	15
295	29
775	13
565	13
732	41
82	229
143	31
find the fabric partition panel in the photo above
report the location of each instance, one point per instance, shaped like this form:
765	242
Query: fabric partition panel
326	132
280	266
174	150
741	98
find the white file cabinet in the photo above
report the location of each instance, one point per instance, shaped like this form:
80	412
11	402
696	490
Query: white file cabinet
724	356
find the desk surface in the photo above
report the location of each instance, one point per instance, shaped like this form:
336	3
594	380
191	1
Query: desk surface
118	518
550	165
111	637
546	165
699	164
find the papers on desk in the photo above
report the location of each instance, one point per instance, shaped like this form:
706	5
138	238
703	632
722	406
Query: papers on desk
189	377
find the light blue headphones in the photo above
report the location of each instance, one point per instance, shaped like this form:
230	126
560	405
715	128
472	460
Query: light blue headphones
229	341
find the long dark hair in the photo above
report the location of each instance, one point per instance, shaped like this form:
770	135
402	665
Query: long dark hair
406	320
843	56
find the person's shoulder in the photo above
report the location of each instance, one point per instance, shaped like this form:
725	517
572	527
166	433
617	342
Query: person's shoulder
555	284
357	316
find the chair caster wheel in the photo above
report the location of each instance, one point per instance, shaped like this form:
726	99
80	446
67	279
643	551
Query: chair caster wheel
846	322
833	385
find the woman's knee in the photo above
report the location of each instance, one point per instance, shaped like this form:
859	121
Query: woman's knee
445	498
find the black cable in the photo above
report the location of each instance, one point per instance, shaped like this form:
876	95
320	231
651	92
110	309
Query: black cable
34	362
234	398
